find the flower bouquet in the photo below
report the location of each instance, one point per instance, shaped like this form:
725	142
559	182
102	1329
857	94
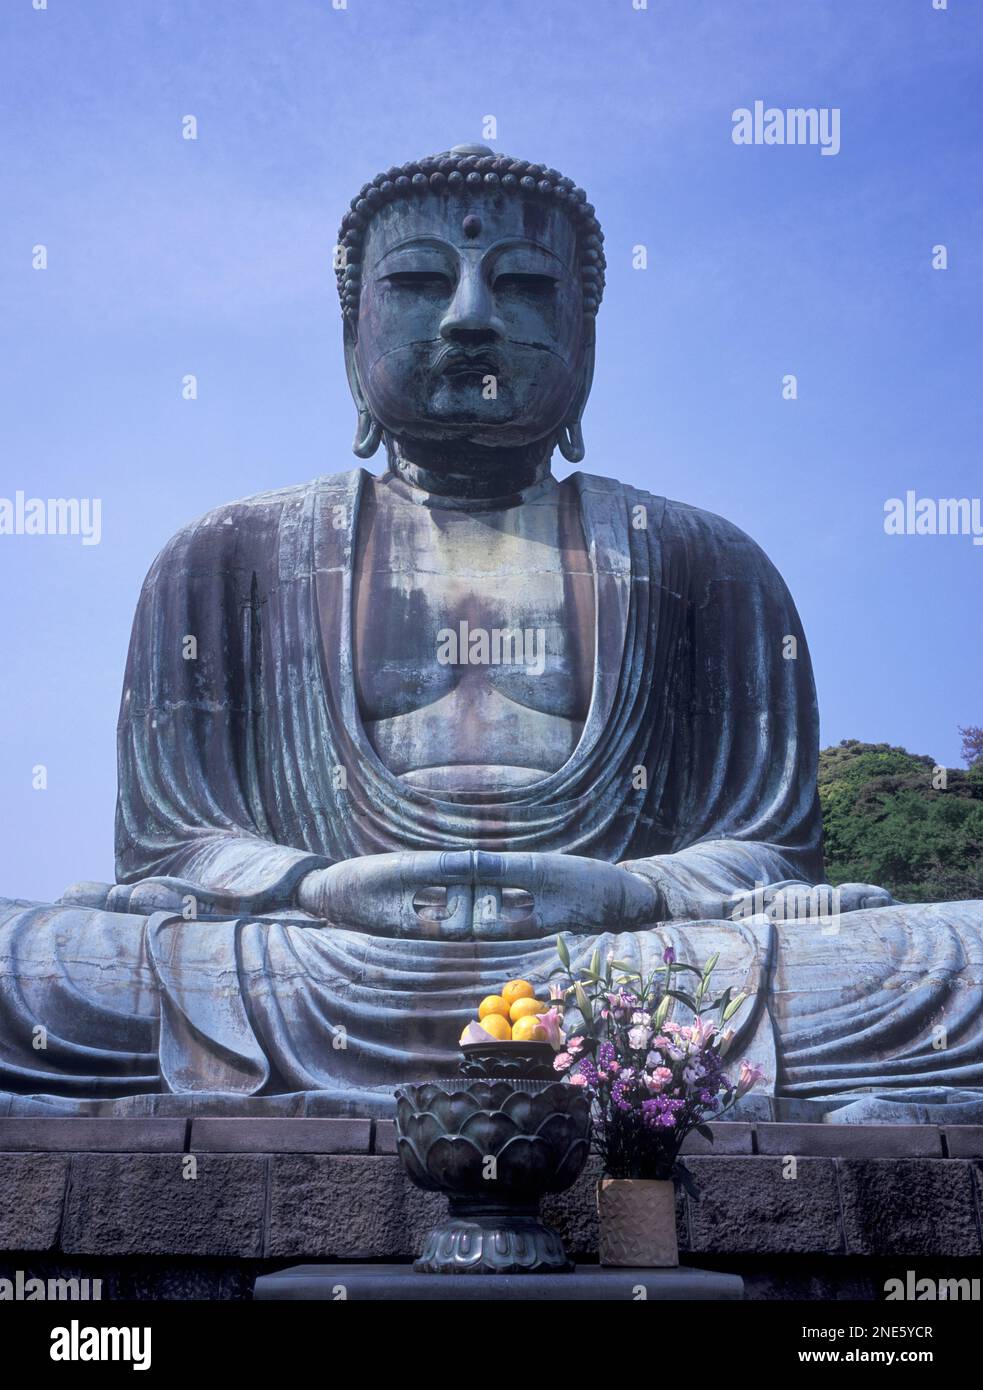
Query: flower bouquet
651	1080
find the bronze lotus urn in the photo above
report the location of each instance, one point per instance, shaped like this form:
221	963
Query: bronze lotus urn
494	1145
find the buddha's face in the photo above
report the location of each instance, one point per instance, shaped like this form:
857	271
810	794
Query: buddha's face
471	322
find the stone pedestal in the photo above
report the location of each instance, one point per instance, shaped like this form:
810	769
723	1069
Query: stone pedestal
202	1208
586	1283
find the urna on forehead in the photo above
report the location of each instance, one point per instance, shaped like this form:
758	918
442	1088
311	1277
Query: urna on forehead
472	195
472	220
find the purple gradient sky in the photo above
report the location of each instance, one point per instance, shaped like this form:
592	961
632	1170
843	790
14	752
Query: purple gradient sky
213	257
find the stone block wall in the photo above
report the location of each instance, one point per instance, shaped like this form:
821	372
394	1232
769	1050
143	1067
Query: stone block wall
236	1196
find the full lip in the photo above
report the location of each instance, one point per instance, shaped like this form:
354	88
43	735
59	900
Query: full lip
456	361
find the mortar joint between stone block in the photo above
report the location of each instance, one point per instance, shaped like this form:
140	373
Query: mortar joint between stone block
267	1205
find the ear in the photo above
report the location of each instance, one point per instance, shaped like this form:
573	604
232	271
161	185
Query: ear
570	440
368	432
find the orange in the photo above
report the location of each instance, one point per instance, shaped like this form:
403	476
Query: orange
528	1029
497	1026
493	1004
524	1008
517	989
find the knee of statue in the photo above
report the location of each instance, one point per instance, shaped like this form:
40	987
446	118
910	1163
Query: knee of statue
86	893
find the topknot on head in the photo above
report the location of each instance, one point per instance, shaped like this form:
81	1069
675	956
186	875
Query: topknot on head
461	168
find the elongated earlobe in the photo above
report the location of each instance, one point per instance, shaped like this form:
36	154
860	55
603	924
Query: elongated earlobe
368	435
368	431
570	442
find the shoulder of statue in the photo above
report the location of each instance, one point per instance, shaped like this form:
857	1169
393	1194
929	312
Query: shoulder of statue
620	494
248	526
706	532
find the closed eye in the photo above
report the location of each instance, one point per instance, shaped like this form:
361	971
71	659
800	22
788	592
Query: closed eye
419	280
520	280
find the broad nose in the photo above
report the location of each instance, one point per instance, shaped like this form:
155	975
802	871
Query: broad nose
471	320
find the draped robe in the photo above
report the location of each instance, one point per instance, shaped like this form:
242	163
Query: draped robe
244	765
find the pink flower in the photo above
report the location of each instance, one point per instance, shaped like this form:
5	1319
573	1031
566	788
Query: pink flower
561	1061
550	1021
578	1080
750	1076
575	1044
701	1032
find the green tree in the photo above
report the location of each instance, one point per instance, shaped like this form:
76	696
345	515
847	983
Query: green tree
972	745
896	819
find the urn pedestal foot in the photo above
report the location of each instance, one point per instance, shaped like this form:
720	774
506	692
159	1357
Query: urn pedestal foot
486	1238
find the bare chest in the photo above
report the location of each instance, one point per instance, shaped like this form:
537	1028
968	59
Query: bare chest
473	637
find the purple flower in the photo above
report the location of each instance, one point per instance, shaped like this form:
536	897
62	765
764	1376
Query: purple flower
587	1070
669	956
661	1112
619	1097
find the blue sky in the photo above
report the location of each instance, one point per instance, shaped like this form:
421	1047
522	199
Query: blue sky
168	256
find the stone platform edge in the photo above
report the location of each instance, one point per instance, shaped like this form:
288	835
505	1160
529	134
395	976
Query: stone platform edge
288	1135
267	1188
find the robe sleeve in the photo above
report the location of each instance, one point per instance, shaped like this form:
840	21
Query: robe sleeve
191	804
735	767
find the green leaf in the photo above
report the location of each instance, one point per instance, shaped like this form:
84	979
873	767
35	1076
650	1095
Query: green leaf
705	1132
687	1181
562	952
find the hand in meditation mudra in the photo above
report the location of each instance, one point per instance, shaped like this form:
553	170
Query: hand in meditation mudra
431	719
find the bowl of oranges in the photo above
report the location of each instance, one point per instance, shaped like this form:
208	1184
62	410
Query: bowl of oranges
507	1038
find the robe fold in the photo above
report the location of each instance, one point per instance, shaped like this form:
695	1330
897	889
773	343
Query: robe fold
245	767
244	764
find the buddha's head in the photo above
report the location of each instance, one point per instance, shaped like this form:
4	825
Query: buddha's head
469	284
